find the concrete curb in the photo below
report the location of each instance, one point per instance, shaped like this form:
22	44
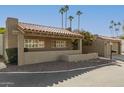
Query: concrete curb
60	71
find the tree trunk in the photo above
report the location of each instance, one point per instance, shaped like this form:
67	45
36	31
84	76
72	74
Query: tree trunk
66	20
62	20
78	23
70	24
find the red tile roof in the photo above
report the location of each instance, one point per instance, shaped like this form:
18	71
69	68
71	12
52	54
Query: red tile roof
109	38
34	28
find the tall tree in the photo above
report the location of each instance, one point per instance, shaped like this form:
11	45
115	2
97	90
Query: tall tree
117	29
111	27
114	27
61	11
79	13
66	8
88	37
70	19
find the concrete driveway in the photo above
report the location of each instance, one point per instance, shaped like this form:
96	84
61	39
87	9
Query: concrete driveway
119	57
108	76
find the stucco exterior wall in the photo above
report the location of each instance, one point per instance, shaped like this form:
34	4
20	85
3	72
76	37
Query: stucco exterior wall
10	37
48	43
102	47
122	48
97	46
1	44
46	56
80	57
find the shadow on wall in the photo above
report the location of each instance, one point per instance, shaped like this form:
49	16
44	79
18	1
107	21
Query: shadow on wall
42	80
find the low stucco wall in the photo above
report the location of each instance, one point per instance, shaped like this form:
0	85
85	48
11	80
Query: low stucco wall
80	57
46	56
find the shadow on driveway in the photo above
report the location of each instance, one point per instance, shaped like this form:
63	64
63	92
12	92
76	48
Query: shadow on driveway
39	79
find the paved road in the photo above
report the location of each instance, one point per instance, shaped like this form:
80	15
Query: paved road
106	77
38	79
111	75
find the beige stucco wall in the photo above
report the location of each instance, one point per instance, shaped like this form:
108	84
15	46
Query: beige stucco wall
49	56
46	56
80	57
102	46
97	46
122	48
10	37
20	48
1	44
48	43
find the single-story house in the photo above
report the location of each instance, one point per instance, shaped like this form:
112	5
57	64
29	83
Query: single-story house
104	45
42	43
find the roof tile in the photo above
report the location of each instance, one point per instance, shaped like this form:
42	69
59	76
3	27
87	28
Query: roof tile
46	29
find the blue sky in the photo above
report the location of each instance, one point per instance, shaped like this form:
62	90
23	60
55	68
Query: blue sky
96	19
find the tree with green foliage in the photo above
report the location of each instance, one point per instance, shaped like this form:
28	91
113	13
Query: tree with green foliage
70	19
79	13
88	38
61	11
114	27
66	8
121	37
2	30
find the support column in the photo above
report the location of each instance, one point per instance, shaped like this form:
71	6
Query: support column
20	49
80	45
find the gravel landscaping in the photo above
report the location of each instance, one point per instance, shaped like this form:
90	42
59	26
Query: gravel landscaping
54	66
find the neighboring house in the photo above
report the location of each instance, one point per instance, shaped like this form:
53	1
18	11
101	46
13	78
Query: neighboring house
102	45
44	43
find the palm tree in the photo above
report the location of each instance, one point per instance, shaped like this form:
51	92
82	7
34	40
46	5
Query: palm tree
78	14
117	29
70	19
114	27
61	11
111	27
66	8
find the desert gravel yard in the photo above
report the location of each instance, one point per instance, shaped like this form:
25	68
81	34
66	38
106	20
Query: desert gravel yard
55	66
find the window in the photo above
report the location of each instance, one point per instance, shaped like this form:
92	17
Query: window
33	43
58	44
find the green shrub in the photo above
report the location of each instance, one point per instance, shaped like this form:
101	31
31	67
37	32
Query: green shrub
2	30
75	44
12	54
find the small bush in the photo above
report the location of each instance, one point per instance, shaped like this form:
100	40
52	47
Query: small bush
12	54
